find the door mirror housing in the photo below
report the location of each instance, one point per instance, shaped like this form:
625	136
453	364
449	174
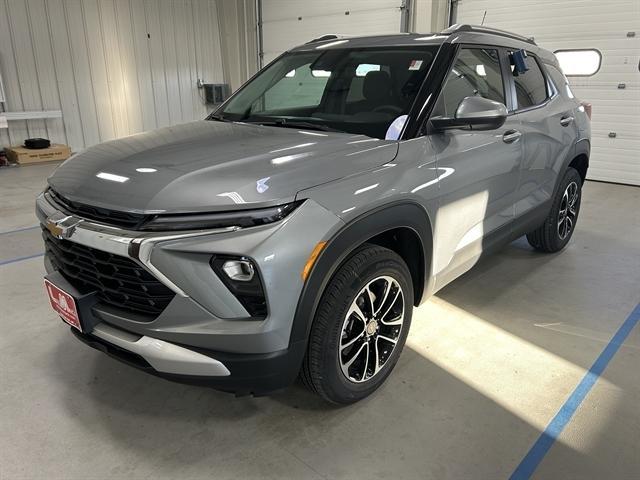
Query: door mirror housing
473	113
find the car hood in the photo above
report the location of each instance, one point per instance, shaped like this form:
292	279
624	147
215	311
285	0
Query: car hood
212	165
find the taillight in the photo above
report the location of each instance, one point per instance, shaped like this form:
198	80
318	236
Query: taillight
587	108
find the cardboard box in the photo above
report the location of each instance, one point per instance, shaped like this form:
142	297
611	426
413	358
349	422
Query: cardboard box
24	156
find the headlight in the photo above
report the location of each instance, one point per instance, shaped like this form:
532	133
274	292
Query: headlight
240	218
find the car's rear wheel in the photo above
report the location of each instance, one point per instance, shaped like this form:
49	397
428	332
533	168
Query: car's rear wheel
556	231
360	327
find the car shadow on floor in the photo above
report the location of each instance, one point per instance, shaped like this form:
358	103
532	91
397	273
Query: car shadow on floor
423	423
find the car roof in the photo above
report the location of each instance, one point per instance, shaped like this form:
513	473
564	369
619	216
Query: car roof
456	34
330	42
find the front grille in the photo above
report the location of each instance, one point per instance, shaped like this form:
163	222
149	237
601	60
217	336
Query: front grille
119	281
130	221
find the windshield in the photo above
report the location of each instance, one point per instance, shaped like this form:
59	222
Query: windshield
360	91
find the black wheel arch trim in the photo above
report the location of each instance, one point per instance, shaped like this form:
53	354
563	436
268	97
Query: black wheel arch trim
404	214
581	147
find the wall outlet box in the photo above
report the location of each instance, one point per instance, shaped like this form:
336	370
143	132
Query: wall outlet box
215	93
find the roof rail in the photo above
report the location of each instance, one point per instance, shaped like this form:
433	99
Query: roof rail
458	28
328	36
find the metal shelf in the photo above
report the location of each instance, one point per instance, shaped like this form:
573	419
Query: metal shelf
34	115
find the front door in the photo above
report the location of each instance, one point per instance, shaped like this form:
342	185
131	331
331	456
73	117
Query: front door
478	170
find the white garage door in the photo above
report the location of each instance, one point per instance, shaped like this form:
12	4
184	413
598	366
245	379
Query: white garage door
286	23
584	24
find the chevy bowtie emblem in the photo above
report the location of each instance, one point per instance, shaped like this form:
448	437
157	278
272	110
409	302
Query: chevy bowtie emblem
62	228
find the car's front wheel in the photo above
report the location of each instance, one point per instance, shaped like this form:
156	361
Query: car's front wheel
554	234
360	327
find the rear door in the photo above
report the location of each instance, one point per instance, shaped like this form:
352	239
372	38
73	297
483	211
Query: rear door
548	133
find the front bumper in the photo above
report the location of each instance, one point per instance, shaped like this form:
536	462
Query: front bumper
246	374
204	317
160	355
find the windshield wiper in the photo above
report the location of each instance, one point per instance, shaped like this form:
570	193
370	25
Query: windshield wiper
219	118
286	123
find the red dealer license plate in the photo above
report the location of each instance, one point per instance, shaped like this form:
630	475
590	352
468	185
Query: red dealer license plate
64	304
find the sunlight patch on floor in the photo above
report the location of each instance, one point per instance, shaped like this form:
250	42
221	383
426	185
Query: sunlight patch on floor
523	378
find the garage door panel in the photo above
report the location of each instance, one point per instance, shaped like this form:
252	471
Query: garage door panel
607	117
626	150
580	24
525	13
286	24
286	9
604	174
622	130
371	23
611	119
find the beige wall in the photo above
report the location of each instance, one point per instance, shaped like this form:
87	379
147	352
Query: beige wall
113	67
238	35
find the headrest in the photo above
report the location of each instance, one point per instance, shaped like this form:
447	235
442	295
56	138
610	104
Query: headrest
377	85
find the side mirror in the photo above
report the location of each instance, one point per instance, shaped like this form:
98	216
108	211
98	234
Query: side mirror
473	113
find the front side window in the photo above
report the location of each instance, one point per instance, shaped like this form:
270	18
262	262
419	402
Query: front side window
531	86
476	72
359	91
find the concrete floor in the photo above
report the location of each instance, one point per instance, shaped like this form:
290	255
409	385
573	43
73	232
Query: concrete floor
489	362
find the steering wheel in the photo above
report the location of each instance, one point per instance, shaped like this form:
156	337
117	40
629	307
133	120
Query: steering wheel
388	109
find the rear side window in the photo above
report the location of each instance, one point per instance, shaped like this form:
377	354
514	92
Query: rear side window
476	72
531	86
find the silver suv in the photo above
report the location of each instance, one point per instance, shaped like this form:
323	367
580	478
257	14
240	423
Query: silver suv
293	231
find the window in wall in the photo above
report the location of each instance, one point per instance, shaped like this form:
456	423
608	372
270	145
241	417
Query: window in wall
582	63
476	72
531	86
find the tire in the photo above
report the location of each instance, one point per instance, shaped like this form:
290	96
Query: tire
556	231
336	340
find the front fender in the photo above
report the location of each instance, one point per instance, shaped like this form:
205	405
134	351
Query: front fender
346	240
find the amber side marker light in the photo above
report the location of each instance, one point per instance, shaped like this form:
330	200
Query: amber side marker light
312	260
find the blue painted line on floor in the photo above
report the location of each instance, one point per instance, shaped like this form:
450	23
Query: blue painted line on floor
18	230
546	440
19	259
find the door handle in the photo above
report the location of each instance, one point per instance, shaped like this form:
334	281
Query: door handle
565	121
511	136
